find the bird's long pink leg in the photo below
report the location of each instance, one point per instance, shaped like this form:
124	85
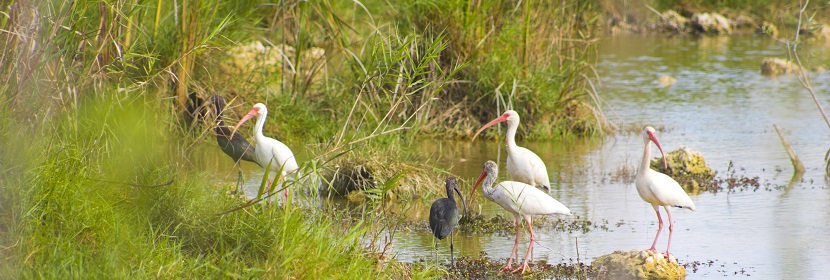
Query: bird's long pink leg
529	247
515	246
285	194
659	228
671	229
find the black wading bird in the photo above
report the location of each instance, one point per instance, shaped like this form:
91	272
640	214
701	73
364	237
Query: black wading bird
443	215
238	148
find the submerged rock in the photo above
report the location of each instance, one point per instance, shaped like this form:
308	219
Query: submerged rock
768	28
637	264
687	167
711	23
742	21
771	66
674	22
666	80
815	30
683	161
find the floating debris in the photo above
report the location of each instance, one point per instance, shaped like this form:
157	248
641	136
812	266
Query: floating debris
695	183
478	223
483	267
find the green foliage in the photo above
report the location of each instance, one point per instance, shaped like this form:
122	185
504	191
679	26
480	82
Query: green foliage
533	58
65	215
89	132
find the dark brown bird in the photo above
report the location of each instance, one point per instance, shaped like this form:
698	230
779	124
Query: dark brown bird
238	148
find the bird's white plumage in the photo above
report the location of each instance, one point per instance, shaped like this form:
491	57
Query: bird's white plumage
525	166
523	199
278	153
269	149
659	189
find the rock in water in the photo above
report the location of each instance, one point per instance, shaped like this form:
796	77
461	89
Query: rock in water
687	167
768	28
771	66
666	80
713	23
683	162
637	264
674	22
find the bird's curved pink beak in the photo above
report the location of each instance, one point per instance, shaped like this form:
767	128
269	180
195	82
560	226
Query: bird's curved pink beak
654	139
502	118
251	114
478	182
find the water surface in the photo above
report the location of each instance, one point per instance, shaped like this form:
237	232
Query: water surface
720	106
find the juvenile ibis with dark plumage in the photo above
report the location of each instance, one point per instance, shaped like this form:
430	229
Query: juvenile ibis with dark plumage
236	147
443	214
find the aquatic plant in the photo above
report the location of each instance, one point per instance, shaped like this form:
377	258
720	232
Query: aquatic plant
99	121
484	267
533	58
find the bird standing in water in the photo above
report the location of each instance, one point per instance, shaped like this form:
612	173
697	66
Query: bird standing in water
659	189
520	199
269	151
443	214
236	147
523	165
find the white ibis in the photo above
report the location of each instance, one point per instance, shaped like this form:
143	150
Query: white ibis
269	150
522	200
443	214
522	164
236	147
658	189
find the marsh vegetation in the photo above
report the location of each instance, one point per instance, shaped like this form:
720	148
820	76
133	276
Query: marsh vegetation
100	172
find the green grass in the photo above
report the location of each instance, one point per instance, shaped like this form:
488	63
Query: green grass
63	217
93	93
535	58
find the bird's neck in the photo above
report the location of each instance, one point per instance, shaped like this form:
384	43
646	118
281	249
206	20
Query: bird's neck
510	138
487	184
220	108
260	122
646	156
450	194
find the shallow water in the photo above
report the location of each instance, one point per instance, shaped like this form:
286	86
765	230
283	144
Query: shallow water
720	106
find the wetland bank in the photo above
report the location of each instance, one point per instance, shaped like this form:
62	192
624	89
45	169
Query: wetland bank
93	128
